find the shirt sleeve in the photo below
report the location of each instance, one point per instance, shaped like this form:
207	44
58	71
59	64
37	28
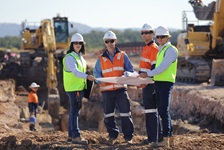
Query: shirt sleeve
97	71
71	65
32	98
170	56
127	64
148	58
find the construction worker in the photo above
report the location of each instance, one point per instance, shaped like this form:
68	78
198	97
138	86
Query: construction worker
33	105
113	63
164	77
148	62
74	79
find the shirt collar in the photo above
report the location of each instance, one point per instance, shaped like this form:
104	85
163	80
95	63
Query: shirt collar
80	54
161	47
150	43
106	53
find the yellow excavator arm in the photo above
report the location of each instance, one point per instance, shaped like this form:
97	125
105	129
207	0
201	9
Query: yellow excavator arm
50	49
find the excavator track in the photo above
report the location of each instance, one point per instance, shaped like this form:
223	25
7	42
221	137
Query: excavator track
193	70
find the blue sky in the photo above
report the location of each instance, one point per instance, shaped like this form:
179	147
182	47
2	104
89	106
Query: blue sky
99	13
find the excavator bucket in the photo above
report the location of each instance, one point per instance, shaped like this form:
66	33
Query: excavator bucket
53	105
217	75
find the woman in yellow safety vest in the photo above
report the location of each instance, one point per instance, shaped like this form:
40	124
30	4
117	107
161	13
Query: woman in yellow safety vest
74	78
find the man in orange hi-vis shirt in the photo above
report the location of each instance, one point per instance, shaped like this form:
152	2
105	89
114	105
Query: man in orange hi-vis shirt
33	104
147	62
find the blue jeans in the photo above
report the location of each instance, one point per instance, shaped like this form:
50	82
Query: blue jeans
163	97
73	127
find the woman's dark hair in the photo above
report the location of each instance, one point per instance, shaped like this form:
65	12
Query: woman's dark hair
82	50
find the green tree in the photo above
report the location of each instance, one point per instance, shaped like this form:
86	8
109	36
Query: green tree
10	42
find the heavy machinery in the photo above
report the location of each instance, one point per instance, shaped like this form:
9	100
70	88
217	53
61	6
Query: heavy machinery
198	45
48	40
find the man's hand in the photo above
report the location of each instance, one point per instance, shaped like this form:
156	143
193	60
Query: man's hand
142	86
103	83
90	77
143	75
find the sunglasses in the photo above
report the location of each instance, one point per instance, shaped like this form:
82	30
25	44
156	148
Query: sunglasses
109	41
161	36
146	32
76	43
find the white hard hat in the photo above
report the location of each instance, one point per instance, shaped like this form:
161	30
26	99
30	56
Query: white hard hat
77	37
162	31
34	85
147	27
109	35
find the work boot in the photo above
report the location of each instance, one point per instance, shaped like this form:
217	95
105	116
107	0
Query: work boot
164	143
153	145
32	127
69	139
79	140
146	141
128	141
111	141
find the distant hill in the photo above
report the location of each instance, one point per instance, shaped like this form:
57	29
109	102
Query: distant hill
9	29
13	29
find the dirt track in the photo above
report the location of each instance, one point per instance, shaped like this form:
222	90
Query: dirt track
18	140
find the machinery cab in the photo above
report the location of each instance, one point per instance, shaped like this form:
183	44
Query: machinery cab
61	32
32	34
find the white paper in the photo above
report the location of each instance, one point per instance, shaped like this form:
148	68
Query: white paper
127	80
130	74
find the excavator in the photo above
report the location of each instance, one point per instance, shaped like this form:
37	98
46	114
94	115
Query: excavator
48	40
201	45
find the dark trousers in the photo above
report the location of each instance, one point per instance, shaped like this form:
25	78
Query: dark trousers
151	114
163	96
33	108
121	99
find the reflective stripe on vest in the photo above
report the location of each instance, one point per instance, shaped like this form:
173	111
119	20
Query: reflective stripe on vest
114	86
115	69
169	74
71	82
143	69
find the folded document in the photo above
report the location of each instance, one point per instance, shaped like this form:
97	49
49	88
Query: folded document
129	79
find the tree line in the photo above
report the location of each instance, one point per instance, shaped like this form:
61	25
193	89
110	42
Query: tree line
94	39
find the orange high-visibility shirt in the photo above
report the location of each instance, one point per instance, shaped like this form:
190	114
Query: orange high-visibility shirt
148	57
32	97
112	69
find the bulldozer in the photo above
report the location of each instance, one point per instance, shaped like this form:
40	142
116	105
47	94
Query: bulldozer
49	40
202	46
